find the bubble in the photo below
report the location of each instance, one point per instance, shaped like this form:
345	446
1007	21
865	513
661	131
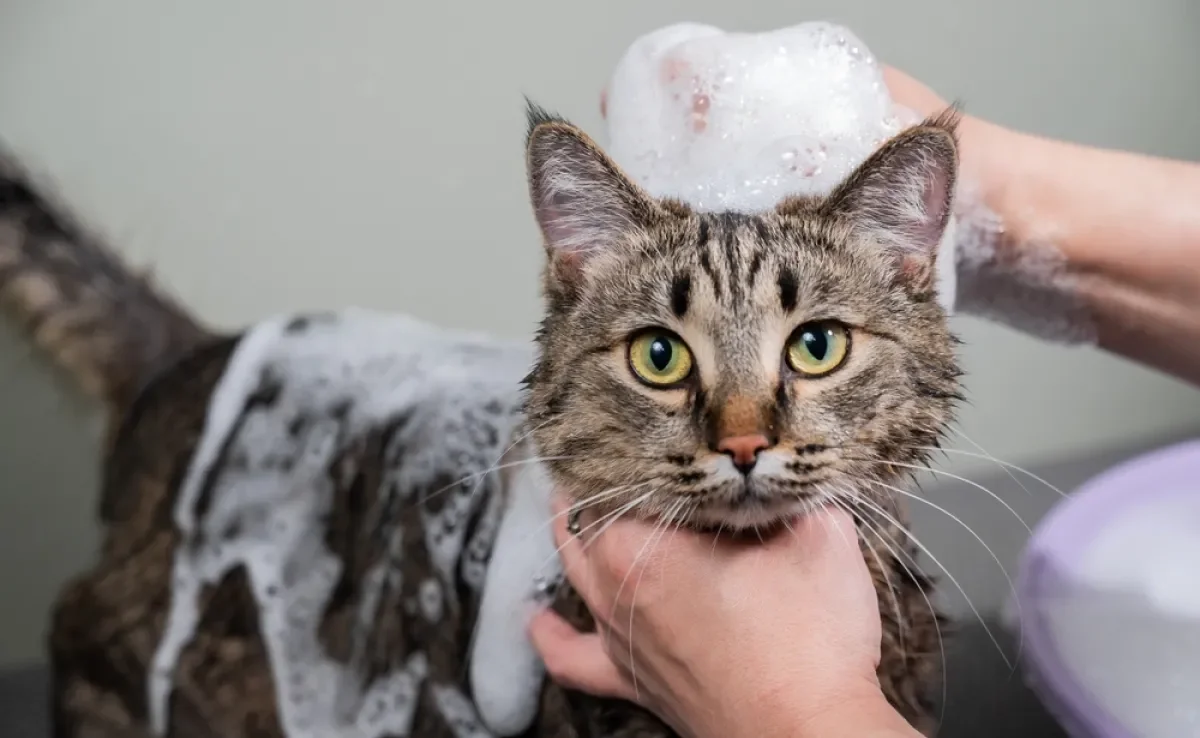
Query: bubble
743	120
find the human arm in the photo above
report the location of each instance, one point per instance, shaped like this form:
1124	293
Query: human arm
729	639
1109	240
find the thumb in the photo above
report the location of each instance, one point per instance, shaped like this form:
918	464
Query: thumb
576	660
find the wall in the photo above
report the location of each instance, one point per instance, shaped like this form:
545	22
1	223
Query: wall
267	156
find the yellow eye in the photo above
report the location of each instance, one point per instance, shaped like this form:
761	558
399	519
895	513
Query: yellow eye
660	358
816	349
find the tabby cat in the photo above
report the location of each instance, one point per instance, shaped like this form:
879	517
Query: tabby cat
751	366
729	370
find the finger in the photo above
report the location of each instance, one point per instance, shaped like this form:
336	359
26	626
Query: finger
576	660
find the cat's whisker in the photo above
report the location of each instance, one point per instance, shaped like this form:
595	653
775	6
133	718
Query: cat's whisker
952	516
964	480
1008	578
901	556
481	475
789	528
892	594
716	539
604	520
988	456
612	519
841	532
585	504
659	525
669	521
860	500
1006	466
501	455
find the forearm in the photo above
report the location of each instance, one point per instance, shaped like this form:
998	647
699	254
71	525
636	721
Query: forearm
1110	240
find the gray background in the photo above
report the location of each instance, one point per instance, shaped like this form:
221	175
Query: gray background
286	154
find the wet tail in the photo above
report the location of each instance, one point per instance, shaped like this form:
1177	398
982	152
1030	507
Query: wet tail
105	325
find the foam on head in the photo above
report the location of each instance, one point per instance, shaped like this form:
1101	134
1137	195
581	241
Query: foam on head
739	121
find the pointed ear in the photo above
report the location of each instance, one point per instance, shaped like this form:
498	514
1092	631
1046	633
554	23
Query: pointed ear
901	196
584	204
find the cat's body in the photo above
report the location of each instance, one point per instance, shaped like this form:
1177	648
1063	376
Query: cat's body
405	500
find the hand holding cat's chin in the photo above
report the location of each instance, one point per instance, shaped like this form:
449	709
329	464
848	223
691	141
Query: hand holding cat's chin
780	634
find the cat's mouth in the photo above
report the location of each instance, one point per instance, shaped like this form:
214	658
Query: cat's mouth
750	507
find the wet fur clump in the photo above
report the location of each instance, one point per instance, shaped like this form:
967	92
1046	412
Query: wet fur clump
749	436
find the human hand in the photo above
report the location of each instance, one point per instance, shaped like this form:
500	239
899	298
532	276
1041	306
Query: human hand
986	150
721	638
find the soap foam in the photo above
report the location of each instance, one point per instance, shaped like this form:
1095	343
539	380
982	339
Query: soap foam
740	121
343	374
1027	286
1128	627
736	121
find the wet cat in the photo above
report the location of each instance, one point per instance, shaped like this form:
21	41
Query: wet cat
729	370
299	518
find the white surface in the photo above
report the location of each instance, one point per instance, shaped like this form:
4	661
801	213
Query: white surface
1131	633
272	156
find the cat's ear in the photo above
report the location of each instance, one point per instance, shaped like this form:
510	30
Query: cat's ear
901	196
583	202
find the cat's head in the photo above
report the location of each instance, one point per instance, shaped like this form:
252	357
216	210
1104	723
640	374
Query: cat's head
735	369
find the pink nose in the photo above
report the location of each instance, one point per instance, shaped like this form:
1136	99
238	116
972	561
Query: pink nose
743	450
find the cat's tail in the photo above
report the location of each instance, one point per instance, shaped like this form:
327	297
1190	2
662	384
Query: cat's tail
107	326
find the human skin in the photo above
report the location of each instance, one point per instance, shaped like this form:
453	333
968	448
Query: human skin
1127	228
772	638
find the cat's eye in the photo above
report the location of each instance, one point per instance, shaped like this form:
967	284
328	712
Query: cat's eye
660	358
816	349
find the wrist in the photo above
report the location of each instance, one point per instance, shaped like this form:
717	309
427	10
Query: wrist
854	711
866	715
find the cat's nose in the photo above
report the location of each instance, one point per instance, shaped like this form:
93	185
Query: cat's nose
743	450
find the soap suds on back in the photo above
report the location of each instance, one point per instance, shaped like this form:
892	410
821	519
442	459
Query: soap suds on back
1128	626
259	489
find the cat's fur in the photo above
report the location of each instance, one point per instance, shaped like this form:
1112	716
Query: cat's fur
155	368
734	287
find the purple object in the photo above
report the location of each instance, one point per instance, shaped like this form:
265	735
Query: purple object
1057	542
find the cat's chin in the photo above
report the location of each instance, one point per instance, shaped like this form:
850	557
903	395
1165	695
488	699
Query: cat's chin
752	515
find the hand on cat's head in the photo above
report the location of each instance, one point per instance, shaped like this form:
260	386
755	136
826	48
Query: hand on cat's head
701	622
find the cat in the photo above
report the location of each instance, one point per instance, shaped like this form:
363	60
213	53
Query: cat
401	488
730	370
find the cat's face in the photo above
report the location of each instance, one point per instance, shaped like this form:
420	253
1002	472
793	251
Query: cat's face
729	369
